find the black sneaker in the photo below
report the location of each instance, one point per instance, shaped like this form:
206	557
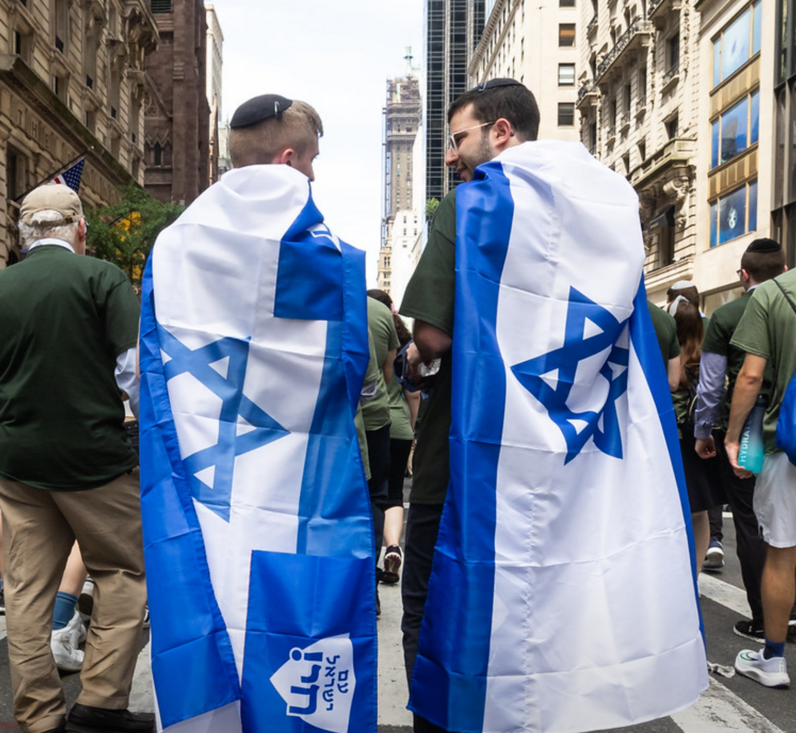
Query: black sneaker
392	563
87	719
2	602
751	630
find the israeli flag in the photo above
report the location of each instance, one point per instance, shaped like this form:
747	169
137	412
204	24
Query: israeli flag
257	526
563	596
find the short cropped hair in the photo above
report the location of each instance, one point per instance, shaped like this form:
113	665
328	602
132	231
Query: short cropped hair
47	223
513	102
259	144
762	266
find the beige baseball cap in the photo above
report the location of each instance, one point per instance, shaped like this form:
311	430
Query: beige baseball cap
51	196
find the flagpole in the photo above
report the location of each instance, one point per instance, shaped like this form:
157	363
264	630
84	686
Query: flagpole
53	175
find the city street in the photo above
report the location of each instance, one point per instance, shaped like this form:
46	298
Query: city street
734	705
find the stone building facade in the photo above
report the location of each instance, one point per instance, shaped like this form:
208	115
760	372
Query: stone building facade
72	84
658	96
177	111
534	42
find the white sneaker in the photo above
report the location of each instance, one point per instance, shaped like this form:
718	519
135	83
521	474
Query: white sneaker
771	672
64	645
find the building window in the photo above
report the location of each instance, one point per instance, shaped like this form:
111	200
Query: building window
737	43
61	18
566	3
160	6
735	130
16	173
566	34
23	45
662	227
566	75
673	53
734	214
672	128
566	114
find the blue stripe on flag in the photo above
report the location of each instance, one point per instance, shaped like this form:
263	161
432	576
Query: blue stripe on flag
648	351
315	295
193	665
449	681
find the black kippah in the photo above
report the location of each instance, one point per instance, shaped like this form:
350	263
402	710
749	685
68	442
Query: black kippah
764	245
259	109
492	83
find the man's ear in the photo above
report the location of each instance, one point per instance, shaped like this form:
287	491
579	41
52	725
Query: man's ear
503	133
285	157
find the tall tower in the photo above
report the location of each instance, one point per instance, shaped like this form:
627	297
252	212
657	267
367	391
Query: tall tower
453	30
402	120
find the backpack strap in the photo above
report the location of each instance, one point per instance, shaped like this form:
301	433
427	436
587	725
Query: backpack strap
787	297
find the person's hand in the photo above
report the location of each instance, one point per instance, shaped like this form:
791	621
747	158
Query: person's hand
412	363
705	448
732	449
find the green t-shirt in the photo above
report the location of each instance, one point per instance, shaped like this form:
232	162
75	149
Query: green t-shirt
66	317
430	297
719	333
767	329
666	331
384	337
400	416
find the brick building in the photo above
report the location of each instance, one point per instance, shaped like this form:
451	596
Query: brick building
177	113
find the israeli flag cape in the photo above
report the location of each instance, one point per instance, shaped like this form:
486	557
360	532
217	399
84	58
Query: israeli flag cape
257	528
563	595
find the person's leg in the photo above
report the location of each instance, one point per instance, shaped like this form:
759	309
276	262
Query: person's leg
779	590
701	525
714	559
751	548
422	526
394	513
72	581
107	524
36	542
379	458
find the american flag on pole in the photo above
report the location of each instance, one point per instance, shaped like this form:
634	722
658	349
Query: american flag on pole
71	176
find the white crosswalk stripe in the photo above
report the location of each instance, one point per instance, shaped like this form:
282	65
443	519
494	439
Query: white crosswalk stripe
720	710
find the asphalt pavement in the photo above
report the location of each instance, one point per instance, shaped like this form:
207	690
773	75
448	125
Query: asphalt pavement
730	705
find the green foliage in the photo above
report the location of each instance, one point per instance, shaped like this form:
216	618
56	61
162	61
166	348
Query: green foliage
124	233
431	208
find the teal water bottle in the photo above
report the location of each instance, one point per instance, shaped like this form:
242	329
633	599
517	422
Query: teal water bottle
752	452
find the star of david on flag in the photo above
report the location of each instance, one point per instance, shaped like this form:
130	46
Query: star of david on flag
221	367
590	330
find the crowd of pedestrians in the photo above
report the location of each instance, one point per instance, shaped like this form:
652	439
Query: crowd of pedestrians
69	489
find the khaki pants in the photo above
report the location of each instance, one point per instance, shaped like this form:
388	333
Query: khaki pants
39	529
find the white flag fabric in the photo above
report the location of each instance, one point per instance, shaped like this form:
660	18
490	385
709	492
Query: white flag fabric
563	596
257	527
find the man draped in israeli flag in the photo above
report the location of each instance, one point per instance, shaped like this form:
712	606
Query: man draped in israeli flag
562	596
257	529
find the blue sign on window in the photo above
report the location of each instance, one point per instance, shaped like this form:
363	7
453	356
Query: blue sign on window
732	215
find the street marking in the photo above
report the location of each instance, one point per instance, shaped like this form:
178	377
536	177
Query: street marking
722	592
720	710
142	691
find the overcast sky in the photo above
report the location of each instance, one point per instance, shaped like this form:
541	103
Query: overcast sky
337	56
